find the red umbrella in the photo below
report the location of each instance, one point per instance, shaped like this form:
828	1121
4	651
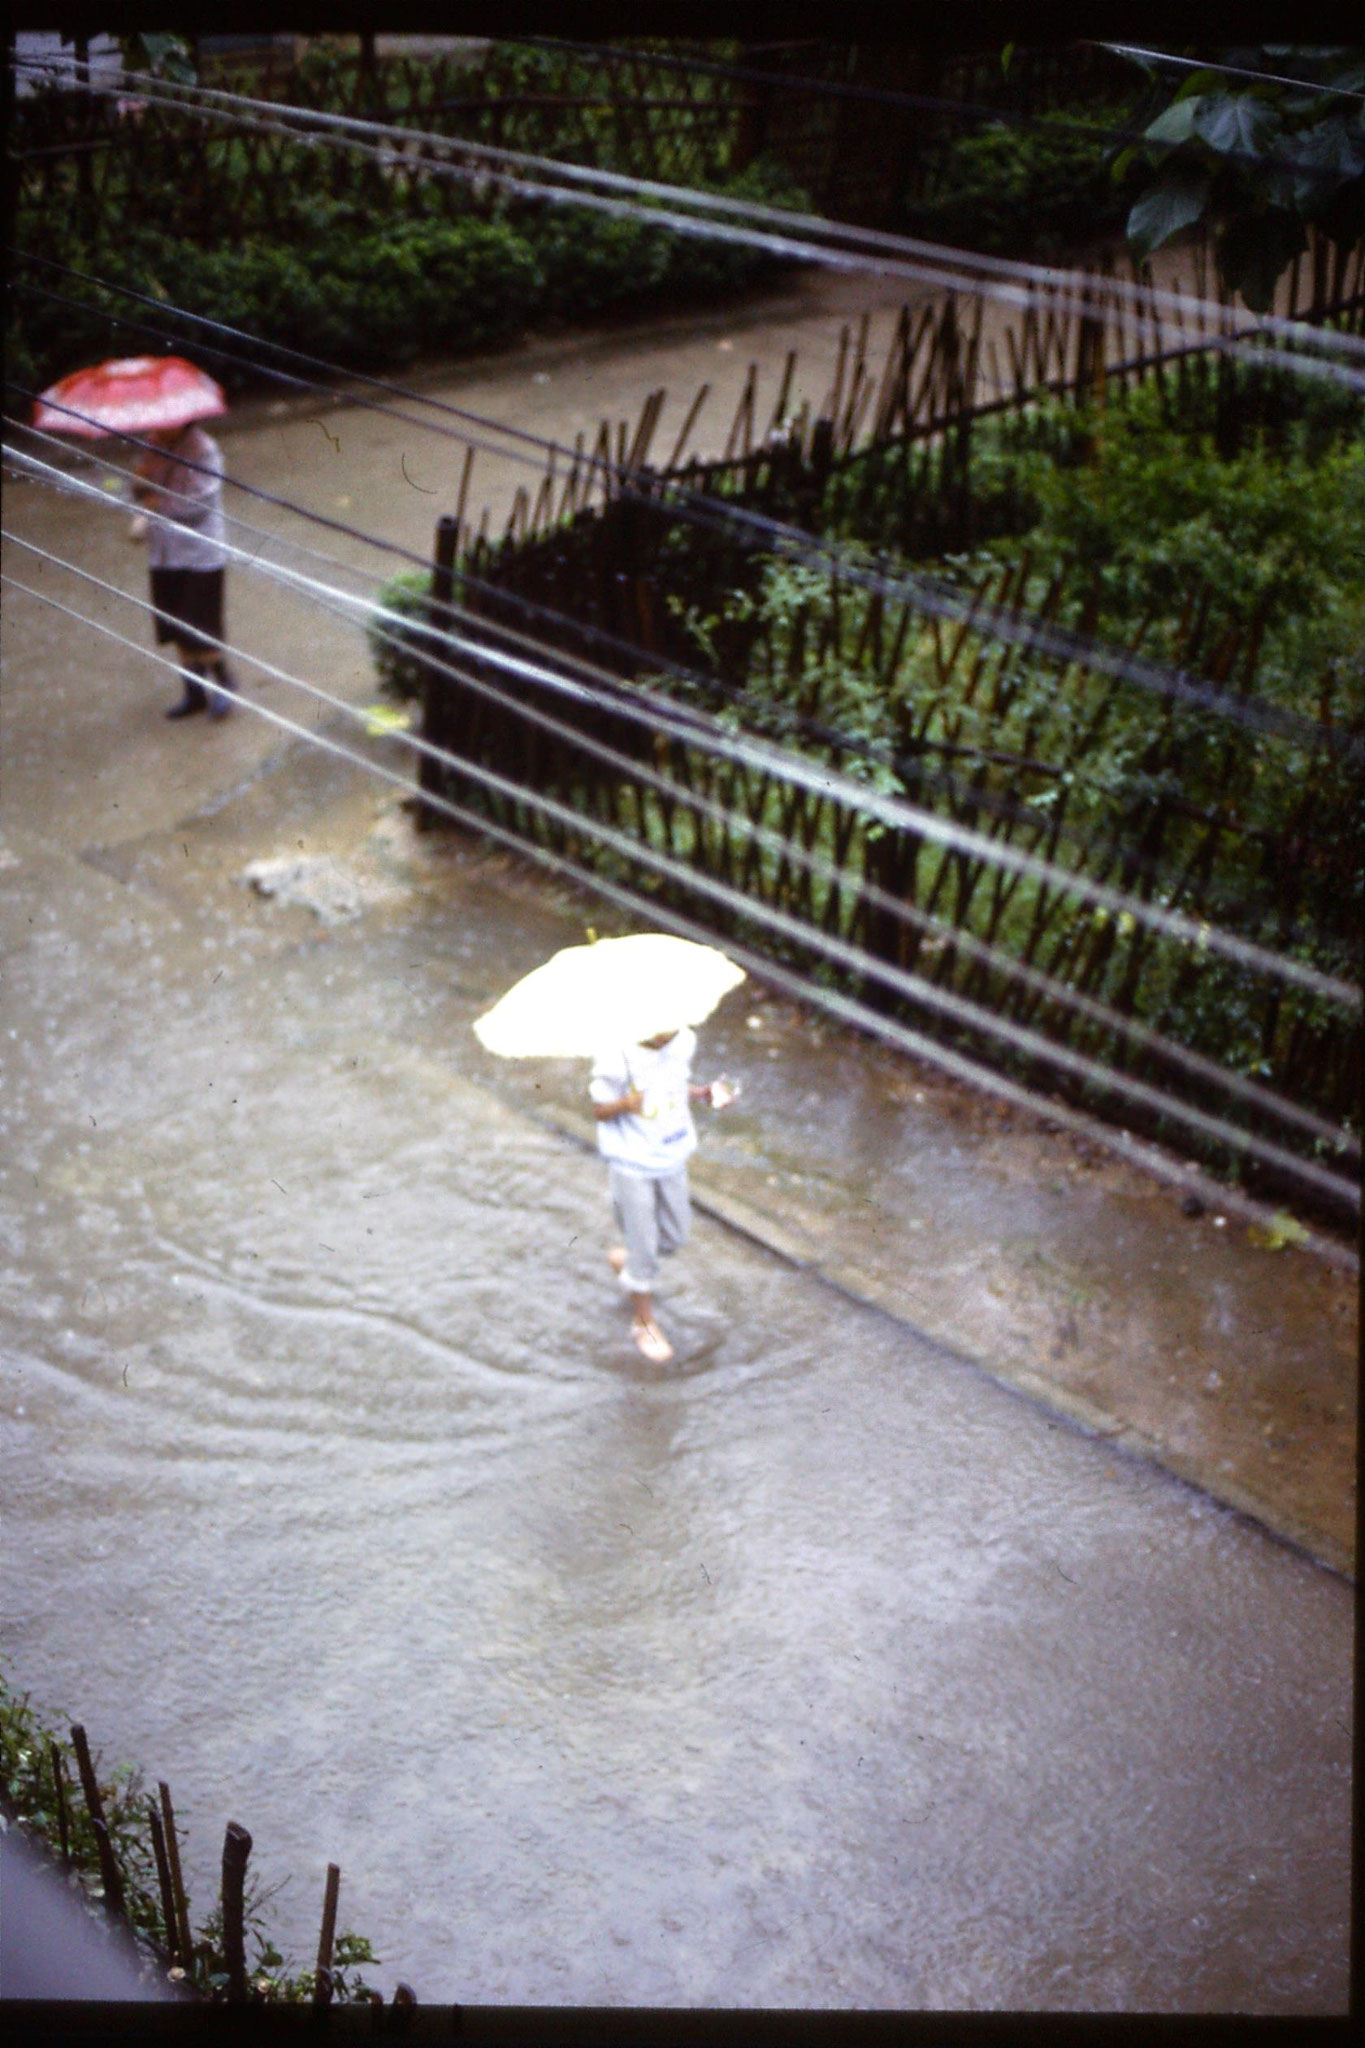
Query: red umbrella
130	395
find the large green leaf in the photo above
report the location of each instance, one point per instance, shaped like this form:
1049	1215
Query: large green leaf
1175	125
1235	123
1198	82
165	56
1176	201
1333	151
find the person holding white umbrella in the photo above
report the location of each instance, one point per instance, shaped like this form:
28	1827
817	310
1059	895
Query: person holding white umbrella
642	1098
630	1004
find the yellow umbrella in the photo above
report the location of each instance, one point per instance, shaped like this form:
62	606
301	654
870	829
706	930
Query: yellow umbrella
613	992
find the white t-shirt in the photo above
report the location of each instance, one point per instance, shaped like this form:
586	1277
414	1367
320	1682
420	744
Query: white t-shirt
663	1135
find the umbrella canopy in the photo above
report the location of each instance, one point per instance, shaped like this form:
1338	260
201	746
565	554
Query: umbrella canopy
614	992
130	395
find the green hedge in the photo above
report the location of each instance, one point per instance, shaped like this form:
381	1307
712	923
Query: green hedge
365	289
1039	190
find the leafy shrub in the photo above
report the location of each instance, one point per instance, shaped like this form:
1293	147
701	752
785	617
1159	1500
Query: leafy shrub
360	277
1158	514
590	260
393	646
1025	190
1135	509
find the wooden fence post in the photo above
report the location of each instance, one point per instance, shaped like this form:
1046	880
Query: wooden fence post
435	687
755	112
110	1876
182	1904
322	1986
59	1799
163	1878
85	184
236	1850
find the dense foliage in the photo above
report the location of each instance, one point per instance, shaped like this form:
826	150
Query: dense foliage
1260	159
1037	189
1211	523
1243	485
320	250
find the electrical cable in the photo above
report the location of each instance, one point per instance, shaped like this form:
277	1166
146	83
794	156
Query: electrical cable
936	598
489	170
826	733
836	738
928	594
1049	122
897	812
1087	292
791	928
828	88
537	672
1177	306
1176	63
603	679
729	819
785	717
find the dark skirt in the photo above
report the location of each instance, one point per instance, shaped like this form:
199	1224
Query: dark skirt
188	604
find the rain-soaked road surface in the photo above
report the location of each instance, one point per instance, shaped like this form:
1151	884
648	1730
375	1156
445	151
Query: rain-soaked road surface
819	1670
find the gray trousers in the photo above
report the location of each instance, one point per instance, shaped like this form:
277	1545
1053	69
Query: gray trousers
654	1218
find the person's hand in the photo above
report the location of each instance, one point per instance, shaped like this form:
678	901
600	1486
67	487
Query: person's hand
632	1102
137	529
722	1093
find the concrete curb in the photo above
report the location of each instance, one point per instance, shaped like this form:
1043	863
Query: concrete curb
739	1216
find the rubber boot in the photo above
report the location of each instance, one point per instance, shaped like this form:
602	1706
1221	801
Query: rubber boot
194	698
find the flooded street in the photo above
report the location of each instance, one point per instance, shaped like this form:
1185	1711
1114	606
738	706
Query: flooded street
819	1669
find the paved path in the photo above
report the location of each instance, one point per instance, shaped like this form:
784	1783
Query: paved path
337	1497
1076	1280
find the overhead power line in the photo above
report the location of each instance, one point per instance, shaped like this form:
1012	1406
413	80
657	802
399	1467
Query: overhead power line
391	626
895	811
1175	63
788	927
1049	121
705	509
771	712
841	245
881	576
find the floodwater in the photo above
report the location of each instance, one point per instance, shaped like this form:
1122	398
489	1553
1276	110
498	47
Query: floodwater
817	1670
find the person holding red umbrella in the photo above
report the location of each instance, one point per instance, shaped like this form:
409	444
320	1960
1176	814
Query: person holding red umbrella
186	558
163	399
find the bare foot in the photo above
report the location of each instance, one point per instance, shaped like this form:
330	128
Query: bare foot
651	1343
616	1258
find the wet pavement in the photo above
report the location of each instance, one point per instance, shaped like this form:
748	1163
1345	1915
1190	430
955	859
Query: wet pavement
877	1653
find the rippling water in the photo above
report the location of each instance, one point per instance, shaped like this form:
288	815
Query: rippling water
817	1670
